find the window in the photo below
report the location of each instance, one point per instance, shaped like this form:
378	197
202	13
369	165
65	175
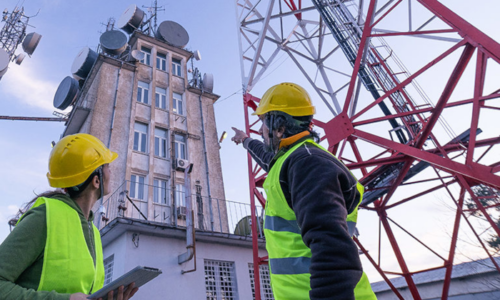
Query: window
137	190
108	269
161	98
180	195
178	104
161	61
160	191
160	142
147	56
220	280
180	147
143	92
265	282
176	67
140	137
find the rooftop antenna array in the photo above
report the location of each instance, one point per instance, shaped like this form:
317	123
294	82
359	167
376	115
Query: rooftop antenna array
153	10
12	34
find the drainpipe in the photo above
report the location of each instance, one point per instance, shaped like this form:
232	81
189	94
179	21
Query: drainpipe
190	246
102	210
206	163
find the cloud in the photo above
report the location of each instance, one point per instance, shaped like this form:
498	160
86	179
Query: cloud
28	86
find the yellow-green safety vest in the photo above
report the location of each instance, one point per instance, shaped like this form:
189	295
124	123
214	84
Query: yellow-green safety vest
289	257
68	266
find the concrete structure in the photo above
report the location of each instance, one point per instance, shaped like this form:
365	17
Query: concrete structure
469	281
148	112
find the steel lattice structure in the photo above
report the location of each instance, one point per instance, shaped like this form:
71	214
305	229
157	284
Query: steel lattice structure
376	117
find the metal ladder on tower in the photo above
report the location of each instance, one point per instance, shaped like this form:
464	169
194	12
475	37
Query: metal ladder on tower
375	73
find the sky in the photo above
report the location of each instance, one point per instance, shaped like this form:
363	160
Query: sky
68	26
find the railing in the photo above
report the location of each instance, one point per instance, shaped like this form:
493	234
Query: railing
168	206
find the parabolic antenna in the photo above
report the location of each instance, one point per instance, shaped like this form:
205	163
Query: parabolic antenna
208	82
66	93
83	63
4	62
131	19
30	42
172	33
137	54
197	55
113	42
20	58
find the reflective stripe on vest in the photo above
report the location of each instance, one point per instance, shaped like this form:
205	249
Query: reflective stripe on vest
68	266
289	257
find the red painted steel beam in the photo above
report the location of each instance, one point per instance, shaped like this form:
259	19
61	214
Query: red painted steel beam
464	28
247	100
377	267
399	255
478	92
448	90
474	171
451	254
413	32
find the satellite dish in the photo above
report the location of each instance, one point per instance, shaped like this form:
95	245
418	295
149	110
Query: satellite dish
4	62
131	19
113	42
137	54
83	63
197	55
172	33
66	93
20	58
208	82
30	42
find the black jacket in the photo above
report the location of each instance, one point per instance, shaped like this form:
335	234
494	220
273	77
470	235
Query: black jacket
321	191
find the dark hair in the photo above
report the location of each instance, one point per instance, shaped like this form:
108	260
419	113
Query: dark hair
292	125
28	205
72	192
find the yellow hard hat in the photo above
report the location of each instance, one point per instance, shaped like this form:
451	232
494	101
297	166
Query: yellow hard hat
287	97
75	157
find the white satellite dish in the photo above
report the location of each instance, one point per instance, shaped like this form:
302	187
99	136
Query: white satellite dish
4	62
20	58
137	54
197	55
131	19
208	82
83	62
31	42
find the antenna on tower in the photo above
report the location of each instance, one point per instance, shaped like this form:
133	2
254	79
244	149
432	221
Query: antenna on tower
153	10
12	34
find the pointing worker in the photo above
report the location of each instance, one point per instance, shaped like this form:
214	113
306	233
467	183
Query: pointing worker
55	251
312	202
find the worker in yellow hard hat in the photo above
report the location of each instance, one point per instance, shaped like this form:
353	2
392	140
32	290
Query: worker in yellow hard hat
55	251
312	202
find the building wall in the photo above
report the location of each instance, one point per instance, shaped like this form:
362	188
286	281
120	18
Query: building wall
112	98
162	252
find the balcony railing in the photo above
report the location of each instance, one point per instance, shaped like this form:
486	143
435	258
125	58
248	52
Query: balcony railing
167	206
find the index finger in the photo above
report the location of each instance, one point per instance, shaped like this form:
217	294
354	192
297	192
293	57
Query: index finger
235	129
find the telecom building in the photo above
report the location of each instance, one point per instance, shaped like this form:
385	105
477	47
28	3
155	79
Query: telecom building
167	208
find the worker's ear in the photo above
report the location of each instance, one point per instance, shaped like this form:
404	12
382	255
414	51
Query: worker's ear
96	182
280	132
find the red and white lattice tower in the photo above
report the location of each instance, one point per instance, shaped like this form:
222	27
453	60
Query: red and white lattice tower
416	128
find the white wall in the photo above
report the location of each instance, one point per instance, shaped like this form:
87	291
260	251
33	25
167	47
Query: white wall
162	252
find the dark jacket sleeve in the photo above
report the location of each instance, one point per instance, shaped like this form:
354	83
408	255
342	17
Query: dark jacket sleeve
258	153
18	252
316	184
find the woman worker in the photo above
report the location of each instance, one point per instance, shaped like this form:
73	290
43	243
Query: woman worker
55	251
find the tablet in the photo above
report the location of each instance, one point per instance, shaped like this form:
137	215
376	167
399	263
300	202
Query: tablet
140	275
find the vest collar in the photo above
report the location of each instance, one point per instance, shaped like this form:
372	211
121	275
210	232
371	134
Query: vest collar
294	138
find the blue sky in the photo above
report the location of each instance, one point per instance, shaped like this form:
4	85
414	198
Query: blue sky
67	26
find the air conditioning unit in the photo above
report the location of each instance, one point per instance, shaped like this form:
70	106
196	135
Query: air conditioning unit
181	164
181	212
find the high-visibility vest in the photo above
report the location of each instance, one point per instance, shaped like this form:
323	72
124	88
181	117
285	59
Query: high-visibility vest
68	266
289	257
